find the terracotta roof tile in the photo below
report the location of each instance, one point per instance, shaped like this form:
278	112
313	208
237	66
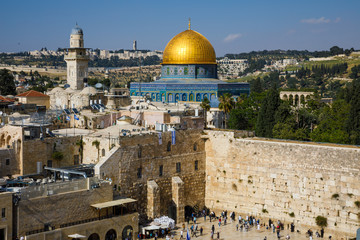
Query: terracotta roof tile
4	99
32	93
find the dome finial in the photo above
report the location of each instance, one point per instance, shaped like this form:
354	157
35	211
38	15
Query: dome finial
189	23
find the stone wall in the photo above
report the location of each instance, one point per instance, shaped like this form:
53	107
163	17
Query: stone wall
271	179
8	162
6	222
100	228
144	155
62	208
41	150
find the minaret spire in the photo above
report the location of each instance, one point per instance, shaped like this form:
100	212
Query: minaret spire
189	23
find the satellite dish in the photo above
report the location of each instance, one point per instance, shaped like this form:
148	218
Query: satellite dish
66	85
98	85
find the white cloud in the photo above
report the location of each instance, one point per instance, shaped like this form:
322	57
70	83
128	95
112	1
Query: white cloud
315	20
337	20
231	37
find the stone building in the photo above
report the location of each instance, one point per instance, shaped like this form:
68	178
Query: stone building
6	215
34	97
56	211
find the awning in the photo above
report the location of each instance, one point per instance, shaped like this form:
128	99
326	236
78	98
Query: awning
113	203
76	236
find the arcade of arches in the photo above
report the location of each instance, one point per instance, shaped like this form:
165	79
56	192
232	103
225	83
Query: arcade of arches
296	98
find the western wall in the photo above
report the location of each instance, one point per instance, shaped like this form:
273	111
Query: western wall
289	181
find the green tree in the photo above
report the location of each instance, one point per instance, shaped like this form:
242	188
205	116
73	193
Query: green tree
256	85
244	116
353	122
96	143
205	105
7	83
226	105
332	127
57	156
266	117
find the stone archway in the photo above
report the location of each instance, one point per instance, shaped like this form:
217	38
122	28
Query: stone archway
127	233
111	235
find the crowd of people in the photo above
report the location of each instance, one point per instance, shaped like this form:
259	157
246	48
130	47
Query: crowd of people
243	224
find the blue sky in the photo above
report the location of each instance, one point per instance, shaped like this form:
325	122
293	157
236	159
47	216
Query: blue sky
231	26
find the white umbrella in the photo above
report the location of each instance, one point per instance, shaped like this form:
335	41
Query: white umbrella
76	236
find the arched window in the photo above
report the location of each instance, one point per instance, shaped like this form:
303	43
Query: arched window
110	235
184	97
195	146
94	236
198	97
103	152
170	97
169	146
191	97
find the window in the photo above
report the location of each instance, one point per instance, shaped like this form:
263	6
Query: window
139	174
7	161
76	160
103	152
49	163
178	167
3	213
161	168
195	147
169	146
139	152
196	165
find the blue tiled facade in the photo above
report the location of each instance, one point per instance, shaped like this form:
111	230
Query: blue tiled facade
187	83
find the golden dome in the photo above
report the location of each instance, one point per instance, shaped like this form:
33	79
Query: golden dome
189	47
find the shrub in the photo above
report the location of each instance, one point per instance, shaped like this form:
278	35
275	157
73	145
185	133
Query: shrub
264	210
321	221
335	196
234	187
357	203
58	156
292	214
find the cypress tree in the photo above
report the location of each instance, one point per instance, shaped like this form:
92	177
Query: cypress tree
266	118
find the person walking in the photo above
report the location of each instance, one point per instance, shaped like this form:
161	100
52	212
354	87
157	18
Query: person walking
218	235
201	231
213	228
219	222
181	234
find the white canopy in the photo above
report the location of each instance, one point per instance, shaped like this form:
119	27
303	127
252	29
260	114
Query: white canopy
76	236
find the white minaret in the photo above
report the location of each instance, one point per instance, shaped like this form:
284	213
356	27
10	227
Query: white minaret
134	45
76	59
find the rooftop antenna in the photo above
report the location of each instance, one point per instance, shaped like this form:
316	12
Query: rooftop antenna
189	23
